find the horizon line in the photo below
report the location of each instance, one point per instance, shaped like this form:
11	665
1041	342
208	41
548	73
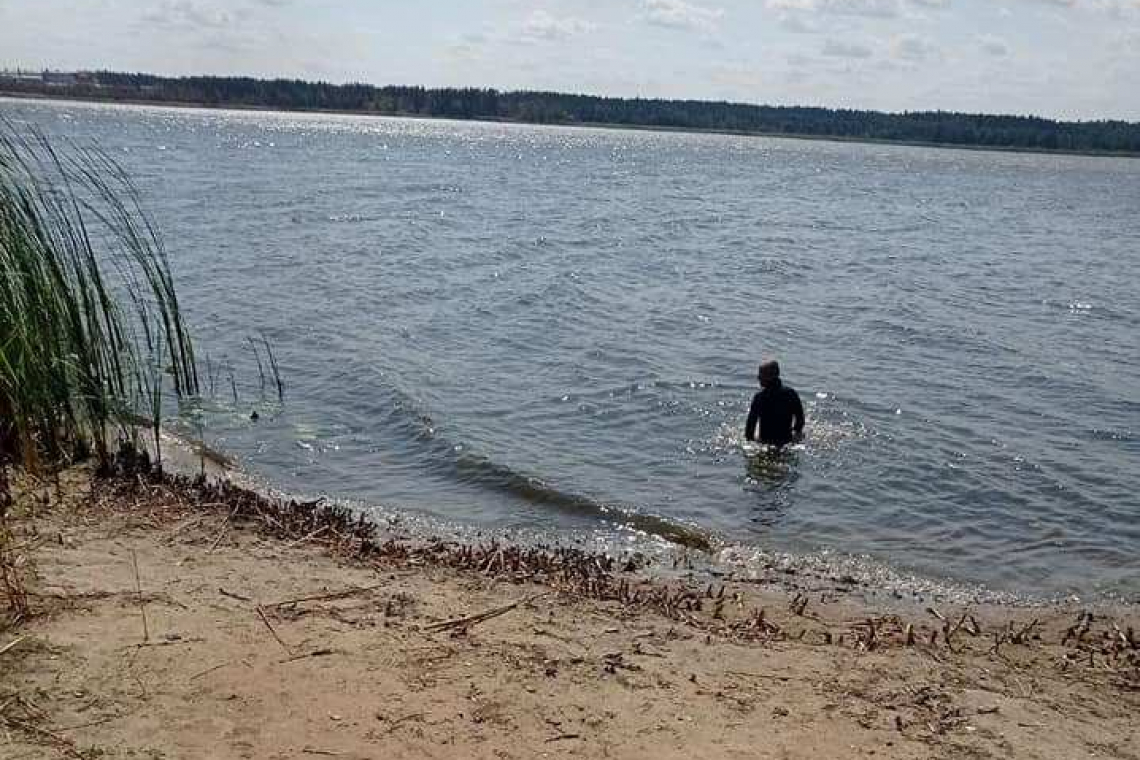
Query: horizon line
18	69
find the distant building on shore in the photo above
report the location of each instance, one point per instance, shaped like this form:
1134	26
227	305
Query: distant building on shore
49	78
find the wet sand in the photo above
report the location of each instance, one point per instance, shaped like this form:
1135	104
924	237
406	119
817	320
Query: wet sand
173	621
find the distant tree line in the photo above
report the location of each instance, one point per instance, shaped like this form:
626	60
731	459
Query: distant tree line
1024	132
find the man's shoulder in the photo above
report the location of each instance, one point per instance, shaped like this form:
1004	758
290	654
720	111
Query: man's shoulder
790	392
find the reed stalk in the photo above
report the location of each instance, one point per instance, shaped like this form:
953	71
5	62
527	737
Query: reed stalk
88	308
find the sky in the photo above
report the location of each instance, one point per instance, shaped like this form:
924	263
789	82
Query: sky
1070	59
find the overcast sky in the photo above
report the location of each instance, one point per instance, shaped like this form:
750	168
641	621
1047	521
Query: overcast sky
1057	58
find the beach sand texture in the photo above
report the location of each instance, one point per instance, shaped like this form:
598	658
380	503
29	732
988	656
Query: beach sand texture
164	630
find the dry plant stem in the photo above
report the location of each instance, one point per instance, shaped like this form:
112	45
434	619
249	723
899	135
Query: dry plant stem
222	533
306	655
232	595
562	737
482	617
13	589
207	671
264	619
327	597
11	644
138	591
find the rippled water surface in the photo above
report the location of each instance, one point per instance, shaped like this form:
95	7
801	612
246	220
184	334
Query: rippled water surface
545	328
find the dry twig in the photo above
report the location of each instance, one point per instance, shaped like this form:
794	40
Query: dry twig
264	619
482	617
327	597
138	591
11	644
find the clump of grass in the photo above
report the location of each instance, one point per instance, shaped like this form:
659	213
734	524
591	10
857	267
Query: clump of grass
90	324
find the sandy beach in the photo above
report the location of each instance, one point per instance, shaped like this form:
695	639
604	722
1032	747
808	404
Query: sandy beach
663	380
169	620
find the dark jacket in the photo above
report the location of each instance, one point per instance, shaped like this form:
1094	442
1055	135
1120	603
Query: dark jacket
776	416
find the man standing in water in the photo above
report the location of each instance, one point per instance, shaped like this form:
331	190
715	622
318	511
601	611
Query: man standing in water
776	416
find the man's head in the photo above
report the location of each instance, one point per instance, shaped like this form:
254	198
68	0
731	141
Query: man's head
769	372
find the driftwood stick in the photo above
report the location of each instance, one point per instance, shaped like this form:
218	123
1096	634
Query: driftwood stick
12	644
329	596
208	671
314	653
768	676
307	538
232	595
174	643
222	533
264	619
482	617
562	737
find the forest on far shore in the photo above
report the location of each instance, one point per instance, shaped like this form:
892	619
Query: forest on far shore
940	127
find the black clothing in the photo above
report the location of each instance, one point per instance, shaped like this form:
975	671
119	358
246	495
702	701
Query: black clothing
776	415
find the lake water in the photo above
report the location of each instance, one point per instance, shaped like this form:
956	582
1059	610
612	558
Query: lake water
556	331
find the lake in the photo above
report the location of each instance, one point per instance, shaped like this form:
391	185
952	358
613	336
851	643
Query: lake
553	332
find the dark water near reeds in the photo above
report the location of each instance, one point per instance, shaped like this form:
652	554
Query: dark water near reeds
542	329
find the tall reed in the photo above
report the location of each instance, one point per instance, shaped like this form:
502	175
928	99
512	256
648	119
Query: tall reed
89	317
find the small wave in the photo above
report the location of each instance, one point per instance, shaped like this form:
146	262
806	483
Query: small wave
479	470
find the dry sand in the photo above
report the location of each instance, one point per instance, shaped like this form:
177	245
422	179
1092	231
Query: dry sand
201	654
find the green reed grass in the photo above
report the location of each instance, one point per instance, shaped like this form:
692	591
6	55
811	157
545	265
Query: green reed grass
90	323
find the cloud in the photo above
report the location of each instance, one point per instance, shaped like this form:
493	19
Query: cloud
995	46
1120	8
873	8
737	76
187	13
1128	43
678	14
542	26
468	47
840	49
797	24
912	47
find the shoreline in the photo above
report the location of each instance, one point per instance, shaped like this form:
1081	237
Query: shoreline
715	559
155	606
37	97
